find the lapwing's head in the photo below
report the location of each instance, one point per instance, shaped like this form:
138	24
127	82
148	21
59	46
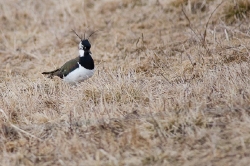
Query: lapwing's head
84	45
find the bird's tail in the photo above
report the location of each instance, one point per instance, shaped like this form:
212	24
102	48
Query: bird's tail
51	73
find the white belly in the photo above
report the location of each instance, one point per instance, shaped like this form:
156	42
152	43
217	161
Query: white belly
78	75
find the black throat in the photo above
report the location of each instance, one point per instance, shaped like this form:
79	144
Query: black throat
86	61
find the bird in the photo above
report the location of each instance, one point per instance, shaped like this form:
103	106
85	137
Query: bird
78	69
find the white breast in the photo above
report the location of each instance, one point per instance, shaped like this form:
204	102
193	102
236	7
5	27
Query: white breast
78	75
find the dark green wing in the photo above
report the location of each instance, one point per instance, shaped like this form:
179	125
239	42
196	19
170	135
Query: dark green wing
65	69
69	66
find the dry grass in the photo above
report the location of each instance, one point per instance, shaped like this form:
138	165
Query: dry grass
164	92
237	11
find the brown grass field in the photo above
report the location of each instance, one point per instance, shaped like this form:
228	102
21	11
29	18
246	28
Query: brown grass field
171	85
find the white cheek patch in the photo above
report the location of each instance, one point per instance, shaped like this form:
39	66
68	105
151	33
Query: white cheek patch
81	53
80	45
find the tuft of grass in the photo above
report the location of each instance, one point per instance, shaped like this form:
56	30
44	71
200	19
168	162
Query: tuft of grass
194	6
237	10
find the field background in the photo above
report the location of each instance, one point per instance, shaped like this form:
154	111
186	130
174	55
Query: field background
171	85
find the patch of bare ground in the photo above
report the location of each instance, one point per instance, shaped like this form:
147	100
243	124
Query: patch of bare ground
171	85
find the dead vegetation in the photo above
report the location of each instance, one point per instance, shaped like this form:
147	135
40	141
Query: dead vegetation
171	85
237	11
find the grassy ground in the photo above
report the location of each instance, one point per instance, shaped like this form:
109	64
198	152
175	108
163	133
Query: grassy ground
171	85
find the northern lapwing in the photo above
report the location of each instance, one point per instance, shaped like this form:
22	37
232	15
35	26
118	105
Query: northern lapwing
78	69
